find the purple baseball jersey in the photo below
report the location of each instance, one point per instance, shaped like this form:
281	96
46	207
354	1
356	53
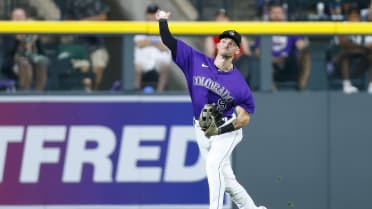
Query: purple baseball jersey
281	45
208	85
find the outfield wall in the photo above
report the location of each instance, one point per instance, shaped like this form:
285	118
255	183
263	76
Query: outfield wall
302	150
309	151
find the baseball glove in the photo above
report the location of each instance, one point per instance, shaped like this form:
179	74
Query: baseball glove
210	119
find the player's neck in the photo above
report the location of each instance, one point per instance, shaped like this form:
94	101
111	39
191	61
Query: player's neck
223	63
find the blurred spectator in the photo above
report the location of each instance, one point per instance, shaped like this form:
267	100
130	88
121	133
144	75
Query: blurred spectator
91	10
291	58
319	12
336	11
73	58
260	7
367	12
24	58
351	48
151	58
346	7
241	59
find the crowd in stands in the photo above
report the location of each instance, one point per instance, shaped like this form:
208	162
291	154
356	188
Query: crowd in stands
64	62
152	58
24	59
70	62
290	54
353	57
348	57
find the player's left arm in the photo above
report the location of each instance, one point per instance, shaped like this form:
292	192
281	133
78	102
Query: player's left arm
243	113
242	118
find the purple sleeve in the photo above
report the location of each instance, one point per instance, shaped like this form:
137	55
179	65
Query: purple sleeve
248	103
184	57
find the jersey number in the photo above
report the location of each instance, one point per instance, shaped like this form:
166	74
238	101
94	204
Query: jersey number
221	105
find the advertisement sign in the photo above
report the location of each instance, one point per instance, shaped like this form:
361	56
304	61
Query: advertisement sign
100	152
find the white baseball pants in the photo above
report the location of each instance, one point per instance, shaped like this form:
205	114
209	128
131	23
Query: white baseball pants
216	151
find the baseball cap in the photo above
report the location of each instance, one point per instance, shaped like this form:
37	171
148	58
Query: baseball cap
152	8
232	34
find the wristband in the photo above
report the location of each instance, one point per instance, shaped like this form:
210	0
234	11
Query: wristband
228	128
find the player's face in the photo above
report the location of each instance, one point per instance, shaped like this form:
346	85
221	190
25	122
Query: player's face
227	47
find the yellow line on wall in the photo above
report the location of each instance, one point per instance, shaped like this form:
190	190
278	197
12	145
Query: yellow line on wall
186	28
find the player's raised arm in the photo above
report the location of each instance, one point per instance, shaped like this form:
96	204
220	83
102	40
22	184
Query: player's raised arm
165	34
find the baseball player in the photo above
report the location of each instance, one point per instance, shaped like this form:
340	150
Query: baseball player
216	82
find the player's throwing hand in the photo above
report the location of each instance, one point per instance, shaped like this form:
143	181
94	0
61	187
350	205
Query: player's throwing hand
161	14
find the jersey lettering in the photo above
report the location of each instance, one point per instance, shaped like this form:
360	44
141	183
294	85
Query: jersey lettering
213	86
